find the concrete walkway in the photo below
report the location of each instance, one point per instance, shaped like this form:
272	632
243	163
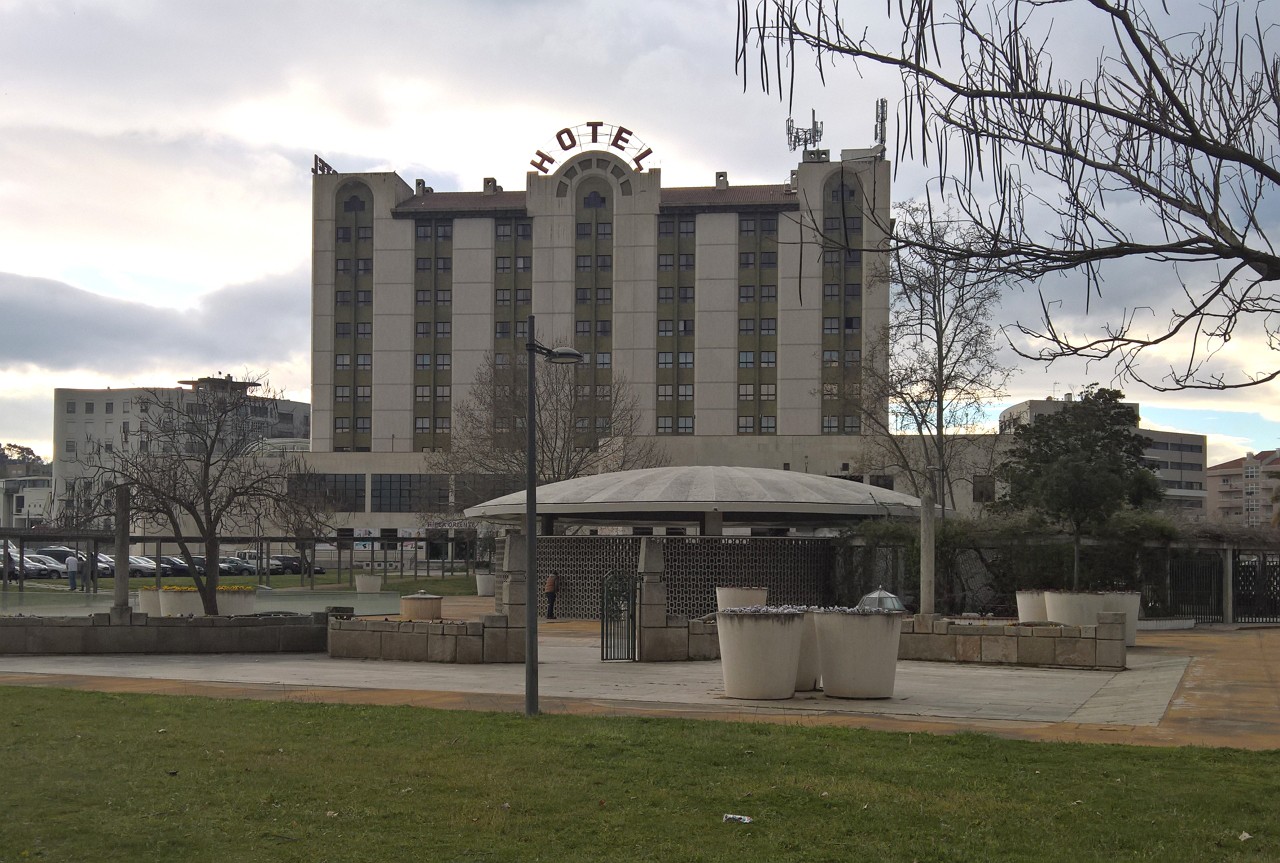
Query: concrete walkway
1214	687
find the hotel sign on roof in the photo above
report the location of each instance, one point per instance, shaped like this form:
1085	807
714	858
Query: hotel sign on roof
592	135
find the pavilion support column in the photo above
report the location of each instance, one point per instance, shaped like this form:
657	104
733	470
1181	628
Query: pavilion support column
712	523
547	525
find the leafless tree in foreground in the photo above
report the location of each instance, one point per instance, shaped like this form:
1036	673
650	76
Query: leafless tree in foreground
196	465
1179	122
582	428
936	363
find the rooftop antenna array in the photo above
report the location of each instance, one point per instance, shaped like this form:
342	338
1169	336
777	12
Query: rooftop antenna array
804	139
882	121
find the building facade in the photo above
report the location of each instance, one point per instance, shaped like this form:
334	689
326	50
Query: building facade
1244	491
736	315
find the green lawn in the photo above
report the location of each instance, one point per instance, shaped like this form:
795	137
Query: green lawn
101	777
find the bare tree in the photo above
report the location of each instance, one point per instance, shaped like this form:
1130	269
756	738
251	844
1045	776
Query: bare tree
196	465
582	428
1162	152
936	364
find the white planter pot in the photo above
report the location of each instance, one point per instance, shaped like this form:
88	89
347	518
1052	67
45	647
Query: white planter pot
808	667
368	583
1031	606
1081	609
237	601
759	653
485	583
740	597
149	602
859	653
181	603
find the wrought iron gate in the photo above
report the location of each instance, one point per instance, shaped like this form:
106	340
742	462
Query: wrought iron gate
1255	588
619	601
1193	587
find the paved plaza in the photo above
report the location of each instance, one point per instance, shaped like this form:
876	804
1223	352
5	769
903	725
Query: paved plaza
1214	686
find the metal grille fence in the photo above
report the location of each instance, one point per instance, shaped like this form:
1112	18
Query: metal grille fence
1256	588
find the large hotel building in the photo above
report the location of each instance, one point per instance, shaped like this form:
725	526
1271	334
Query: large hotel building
736	314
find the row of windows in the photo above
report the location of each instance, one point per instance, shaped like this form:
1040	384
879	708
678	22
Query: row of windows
364	266
442	265
1176	447
342	330
523	264
604	230
852	324
666	263
747	359
668	327
685	359
682	425
833	256
603	263
443	329
831	359
1172	465
747	293
342	362
603	296
748	326
364	233
442	231
523	231
852	291
583	328
747	225
768	260
422	362
90	407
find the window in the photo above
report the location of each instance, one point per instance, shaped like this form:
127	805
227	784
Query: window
364	330
768	359
666	295
502	264
524	296
602	425
422	394
344	235
768	425
604	262
583	263
686	227
444	393
343	265
364	362
769	260
342	425
685	359
852	256
830	424
584	230
502	297
686	295
444	329
502	329
604	296
604	392
501	359
664	359
422	298
666	263
342	362
664	425
684	392
364	266
444	264
364	233
524	264
582	392
581	424
522	329
851	357
422	330
830	292
111	407
666	328
664	392
768	293
831	359
444	296
768	392
852	424
342	394
363	425
666	228
684	425
604	328
746	227
746	425
769	225
524	231
364	394
830	326
583	296
604	231
342	330
342	298
686	262
746	326
443	424
364	298
1250	470
423	264
746	359
422	362
582	328
424	232
746	260
746	293
502	230
422	425
853	291
746	392
852	324
444	232
830	390
768	326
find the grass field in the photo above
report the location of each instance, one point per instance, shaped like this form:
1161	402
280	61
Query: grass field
98	777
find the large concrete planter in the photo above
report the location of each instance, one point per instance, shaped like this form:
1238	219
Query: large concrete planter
1081	609
1031	606
486	583
368	583
859	653
181	603
237	601
808	666
740	597
759	652
149	601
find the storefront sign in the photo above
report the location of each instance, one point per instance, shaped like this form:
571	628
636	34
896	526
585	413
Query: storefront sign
593	135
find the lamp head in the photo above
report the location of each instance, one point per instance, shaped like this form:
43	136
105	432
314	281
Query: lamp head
564	356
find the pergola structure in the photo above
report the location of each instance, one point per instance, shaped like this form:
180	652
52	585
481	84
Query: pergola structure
708	497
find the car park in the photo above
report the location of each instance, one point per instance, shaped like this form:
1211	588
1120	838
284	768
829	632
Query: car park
178	566
60	553
293	563
236	566
47	568
57	568
142	567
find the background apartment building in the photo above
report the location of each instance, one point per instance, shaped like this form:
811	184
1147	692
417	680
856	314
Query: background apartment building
1243	491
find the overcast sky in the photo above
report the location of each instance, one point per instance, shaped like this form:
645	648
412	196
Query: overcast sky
155	168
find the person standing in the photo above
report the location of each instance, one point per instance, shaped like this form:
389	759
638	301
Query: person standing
73	566
551	588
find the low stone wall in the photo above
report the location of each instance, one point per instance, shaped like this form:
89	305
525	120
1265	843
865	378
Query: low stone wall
489	639
930	637
95	633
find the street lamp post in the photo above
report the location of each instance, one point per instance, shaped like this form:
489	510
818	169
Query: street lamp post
554	355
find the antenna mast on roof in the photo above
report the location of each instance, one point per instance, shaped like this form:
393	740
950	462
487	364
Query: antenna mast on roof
805	139
882	121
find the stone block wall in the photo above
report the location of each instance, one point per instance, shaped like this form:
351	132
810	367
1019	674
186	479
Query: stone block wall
471	642
95	633
931	638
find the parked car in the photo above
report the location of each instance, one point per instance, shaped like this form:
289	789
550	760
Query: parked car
236	566
58	570
142	567
60	553
46	568
106	565
178	566
293	563
165	568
